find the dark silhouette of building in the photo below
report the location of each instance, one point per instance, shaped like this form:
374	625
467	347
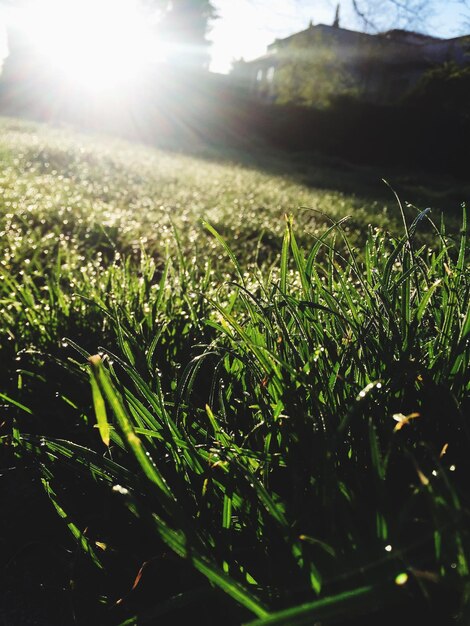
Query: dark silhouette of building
383	67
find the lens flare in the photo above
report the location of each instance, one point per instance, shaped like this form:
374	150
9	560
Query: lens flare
98	44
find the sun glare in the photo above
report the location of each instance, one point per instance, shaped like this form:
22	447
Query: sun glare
98	44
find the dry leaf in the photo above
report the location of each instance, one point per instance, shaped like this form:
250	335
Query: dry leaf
403	420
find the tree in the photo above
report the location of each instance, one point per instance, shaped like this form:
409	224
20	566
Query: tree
183	25
380	15
377	15
310	73
446	89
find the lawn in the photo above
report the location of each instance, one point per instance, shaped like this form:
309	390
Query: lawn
235	387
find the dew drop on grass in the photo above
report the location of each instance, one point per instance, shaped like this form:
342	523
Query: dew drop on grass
401	579
121	490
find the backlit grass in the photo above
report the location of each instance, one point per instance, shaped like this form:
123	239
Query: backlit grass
237	407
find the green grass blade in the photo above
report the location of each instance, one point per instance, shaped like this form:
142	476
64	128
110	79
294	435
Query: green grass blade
76	532
16	403
177	542
100	410
343	605
285	259
227	249
109	392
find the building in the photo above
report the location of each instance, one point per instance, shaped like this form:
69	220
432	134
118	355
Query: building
380	68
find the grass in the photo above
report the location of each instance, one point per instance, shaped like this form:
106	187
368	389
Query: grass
259	417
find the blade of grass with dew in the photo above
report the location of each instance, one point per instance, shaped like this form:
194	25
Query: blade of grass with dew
177	542
107	389
100	410
16	403
331	608
227	249
76	532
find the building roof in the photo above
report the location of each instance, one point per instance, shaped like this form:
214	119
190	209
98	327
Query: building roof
407	36
392	47
318	27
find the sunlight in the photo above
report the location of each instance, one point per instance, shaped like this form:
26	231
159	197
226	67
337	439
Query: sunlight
239	17
95	44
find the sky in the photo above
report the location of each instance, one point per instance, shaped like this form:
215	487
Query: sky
246	27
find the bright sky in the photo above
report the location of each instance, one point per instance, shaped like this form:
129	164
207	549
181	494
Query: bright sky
246	27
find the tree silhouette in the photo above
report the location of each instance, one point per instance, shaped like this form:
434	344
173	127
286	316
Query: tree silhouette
183	25
376	15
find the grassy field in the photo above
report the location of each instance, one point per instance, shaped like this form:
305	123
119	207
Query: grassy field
222	397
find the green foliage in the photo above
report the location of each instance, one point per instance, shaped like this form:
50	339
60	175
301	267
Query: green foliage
282	423
444	88
311	73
